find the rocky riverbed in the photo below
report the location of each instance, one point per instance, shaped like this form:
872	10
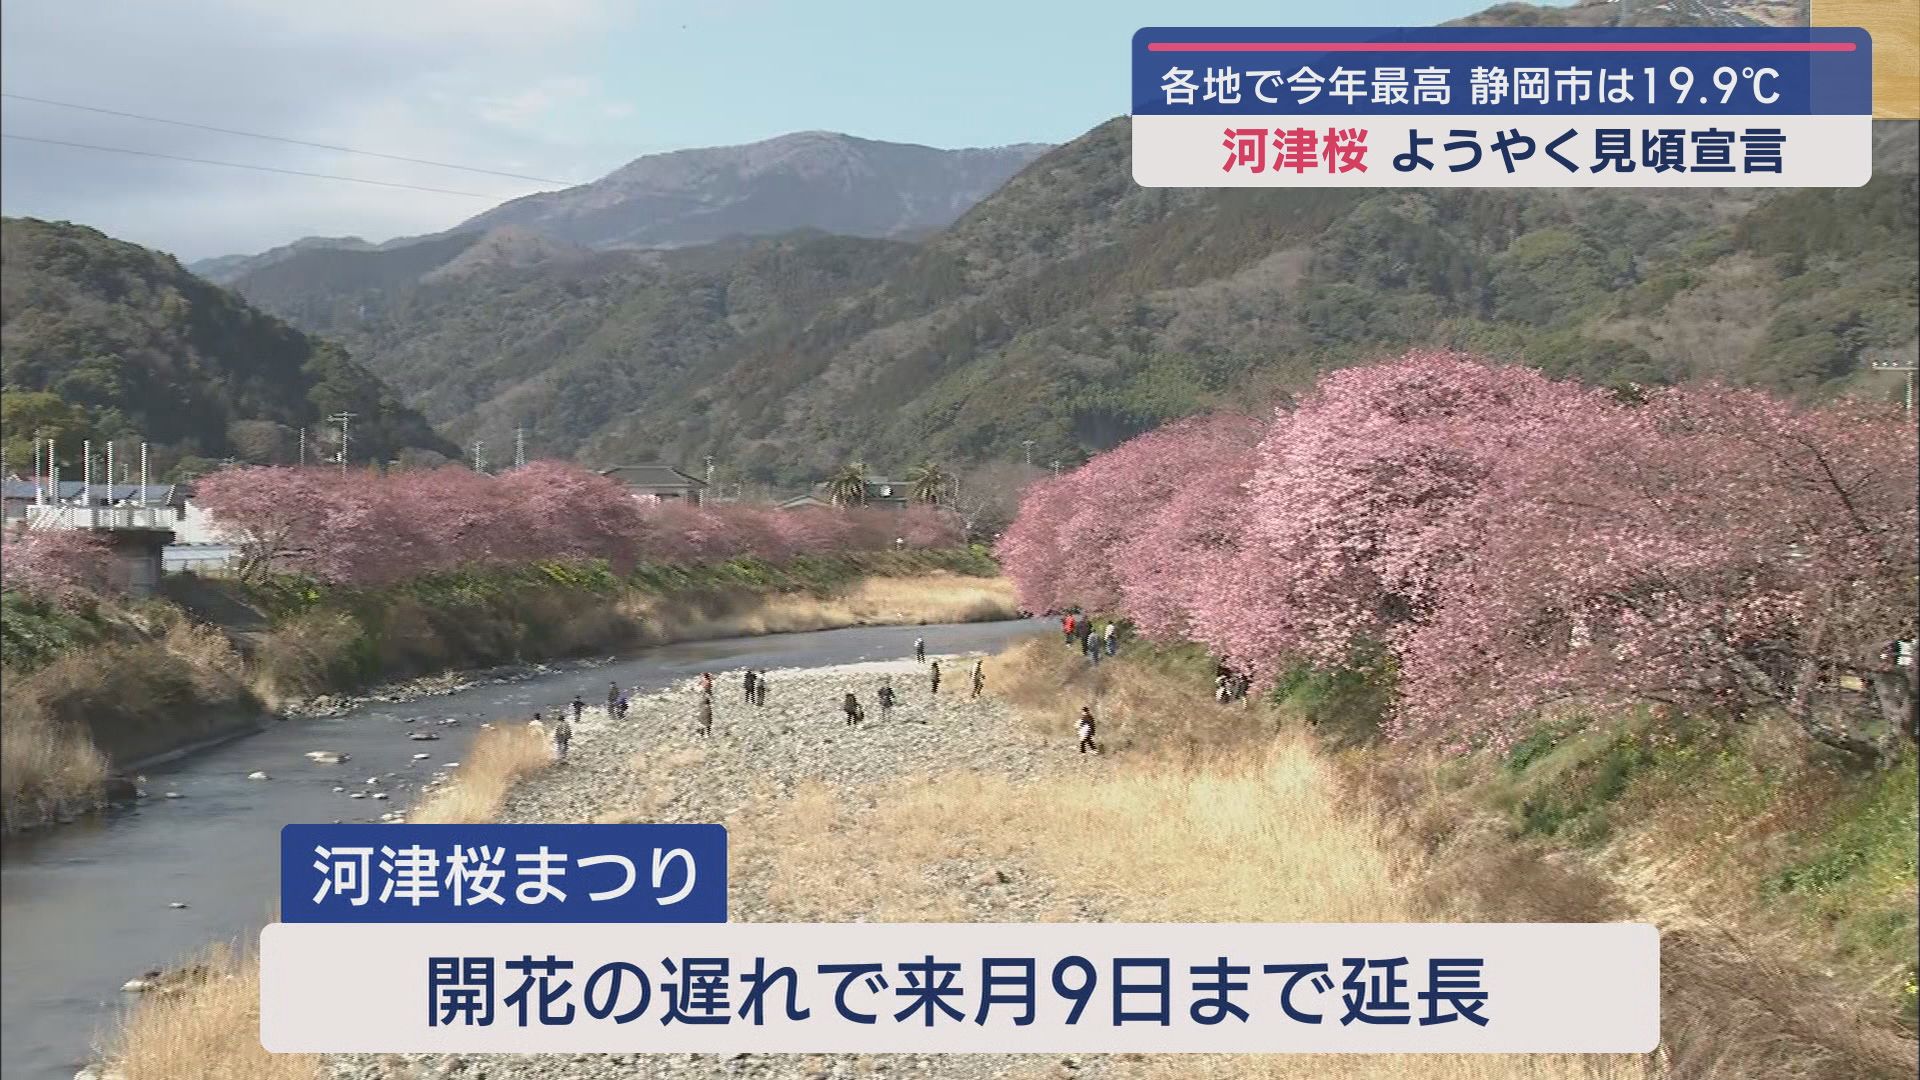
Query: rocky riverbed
655	766
439	685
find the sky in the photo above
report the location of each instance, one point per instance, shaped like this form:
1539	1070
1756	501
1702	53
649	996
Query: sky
566	90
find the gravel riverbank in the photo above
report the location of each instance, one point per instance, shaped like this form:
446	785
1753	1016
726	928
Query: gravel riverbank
655	766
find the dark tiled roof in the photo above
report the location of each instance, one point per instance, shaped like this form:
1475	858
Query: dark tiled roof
652	476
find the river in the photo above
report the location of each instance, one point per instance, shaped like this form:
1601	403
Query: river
85	907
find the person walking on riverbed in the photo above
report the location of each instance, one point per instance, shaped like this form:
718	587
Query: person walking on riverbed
920	649
746	682
620	706
579	706
885	697
1111	637
760	689
1086	730
562	735
706	714
613	698
979	677
850	705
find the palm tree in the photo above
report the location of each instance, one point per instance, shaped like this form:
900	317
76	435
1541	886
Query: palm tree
928	482
848	485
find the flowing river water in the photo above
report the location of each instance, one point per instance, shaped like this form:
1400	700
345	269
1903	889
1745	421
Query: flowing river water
85	907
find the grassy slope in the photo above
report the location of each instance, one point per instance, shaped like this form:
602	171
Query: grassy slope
1749	825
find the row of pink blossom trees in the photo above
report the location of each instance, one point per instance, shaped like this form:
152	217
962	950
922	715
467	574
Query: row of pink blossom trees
373	529
1513	543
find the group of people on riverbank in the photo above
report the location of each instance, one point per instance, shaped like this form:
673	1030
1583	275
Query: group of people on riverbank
754	686
562	733
1230	684
1080	633
854	713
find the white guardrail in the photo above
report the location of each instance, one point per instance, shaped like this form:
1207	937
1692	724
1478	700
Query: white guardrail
101	517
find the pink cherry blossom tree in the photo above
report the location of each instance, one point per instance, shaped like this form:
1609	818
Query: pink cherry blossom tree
1708	548
1179	552
63	566
1367	495
1515	543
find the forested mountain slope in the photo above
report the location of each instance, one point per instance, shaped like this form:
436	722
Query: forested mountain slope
1074	308
105	339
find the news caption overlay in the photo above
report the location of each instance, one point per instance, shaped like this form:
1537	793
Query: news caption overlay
613	939
1502	107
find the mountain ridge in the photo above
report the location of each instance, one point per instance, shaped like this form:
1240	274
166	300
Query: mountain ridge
1074	308
106	339
808	179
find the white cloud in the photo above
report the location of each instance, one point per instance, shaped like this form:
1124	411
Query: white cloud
486	83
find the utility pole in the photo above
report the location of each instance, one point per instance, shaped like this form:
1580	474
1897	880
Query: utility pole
479	456
1884	365
342	418
519	447
1028	443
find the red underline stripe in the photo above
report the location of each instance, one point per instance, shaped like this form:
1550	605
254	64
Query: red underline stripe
1501	46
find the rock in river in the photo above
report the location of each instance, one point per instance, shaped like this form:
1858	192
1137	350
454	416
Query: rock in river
423	736
257	775
327	757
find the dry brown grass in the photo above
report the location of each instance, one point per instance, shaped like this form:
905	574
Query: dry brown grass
205	1027
1194	830
1742	994
904	601
46	768
500	757
306	655
1143	708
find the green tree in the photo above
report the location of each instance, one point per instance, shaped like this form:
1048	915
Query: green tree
928	482
848	486
25	415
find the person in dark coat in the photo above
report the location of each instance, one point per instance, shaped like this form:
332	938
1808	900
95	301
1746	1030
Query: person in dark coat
760	688
579	706
613	697
885	697
934	675
1086	730
979	677
850	705
747	682
920	649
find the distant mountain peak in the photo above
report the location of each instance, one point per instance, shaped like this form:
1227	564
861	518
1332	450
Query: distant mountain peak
825	180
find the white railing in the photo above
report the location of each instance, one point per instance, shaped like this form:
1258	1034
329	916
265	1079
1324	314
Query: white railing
63	516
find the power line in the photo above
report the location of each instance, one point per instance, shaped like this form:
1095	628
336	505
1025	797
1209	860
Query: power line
280	138
238	165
